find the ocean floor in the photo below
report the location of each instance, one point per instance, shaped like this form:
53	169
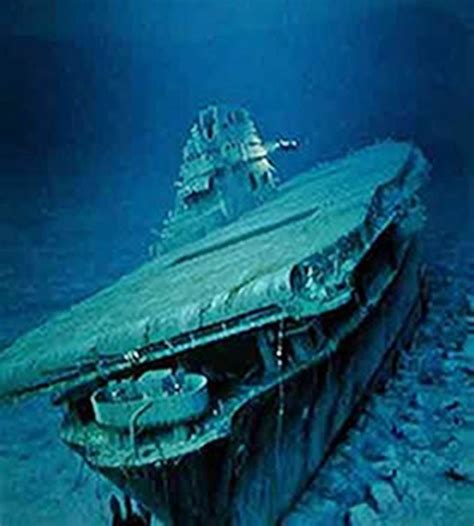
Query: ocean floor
42	483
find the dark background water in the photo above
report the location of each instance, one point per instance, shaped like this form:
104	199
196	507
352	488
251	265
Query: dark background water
97	99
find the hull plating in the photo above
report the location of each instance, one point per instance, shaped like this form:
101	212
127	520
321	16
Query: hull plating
278	441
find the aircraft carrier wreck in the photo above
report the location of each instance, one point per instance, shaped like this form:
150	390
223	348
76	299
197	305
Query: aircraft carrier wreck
210	383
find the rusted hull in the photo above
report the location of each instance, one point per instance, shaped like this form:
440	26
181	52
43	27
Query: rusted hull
279	440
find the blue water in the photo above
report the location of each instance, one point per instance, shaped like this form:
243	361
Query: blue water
97	99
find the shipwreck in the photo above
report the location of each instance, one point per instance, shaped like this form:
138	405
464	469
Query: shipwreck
210	383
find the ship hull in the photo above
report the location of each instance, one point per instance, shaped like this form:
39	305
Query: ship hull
279	440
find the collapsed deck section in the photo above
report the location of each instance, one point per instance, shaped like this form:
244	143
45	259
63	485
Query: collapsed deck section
244	462
291	257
